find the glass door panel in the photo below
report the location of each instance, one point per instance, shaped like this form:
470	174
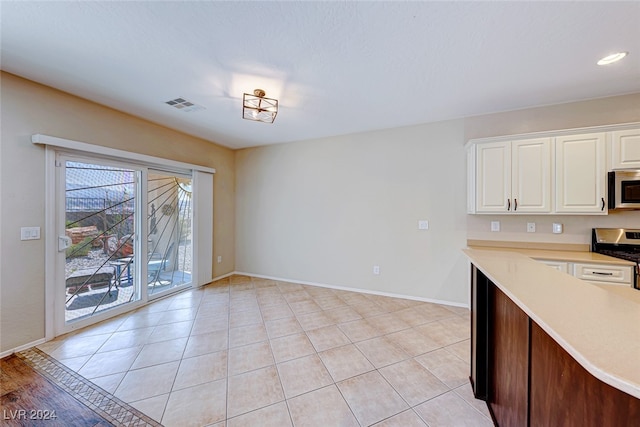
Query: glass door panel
99	210
169	243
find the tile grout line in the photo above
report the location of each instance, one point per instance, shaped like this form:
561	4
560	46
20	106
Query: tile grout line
164	410
227	396
305	332
275	364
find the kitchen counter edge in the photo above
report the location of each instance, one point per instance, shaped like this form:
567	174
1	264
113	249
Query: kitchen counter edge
600	320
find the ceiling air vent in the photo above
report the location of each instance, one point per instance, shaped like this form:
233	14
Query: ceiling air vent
184	105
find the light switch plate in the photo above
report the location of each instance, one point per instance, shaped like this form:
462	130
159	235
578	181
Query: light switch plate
376	270
495	225
29	233
423	225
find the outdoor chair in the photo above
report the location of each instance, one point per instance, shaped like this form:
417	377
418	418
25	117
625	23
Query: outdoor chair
158	263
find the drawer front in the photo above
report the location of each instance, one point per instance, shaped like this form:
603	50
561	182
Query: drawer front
558	265
603	273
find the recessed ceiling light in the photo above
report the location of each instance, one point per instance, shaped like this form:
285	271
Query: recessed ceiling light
614	57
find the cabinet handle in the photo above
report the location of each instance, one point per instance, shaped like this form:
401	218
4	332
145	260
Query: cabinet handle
515	205
602	209
508	204
599	273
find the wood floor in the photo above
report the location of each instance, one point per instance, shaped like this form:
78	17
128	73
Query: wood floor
29	398
36	389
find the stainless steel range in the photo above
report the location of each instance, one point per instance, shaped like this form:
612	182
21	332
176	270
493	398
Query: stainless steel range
621	243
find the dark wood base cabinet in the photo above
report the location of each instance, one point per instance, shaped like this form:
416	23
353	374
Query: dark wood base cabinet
563	393
508	360
530	379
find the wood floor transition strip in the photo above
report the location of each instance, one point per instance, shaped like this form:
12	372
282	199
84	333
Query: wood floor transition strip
105	404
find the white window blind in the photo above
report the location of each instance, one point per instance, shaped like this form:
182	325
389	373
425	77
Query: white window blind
203	226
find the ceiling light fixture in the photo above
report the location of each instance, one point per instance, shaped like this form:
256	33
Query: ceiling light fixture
614	57
257	107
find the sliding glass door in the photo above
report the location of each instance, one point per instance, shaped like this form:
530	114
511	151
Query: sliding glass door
99	242
169	240
124	237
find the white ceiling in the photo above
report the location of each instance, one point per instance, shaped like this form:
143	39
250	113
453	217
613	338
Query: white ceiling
336	67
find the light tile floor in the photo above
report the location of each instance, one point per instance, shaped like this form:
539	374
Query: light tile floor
254	352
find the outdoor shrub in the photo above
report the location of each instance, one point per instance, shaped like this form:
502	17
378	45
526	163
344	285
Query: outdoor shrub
79	249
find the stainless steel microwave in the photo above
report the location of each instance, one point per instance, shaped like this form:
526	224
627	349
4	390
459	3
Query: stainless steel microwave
624	189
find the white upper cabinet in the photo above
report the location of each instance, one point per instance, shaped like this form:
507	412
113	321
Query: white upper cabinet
531	175
557	172
580	173
493	177
514	176
625	149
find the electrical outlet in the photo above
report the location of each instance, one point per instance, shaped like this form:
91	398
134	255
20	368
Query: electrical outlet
495	225
219	259
531	227
376	270
423	225
557	228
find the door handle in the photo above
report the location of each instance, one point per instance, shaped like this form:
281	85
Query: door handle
602	209
508	204
515	205
64	242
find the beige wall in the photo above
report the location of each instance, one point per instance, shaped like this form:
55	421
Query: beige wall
29	108
328	210
321	211
577	229
594	112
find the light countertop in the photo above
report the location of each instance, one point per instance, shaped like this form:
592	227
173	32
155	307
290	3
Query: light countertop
570	256
598	326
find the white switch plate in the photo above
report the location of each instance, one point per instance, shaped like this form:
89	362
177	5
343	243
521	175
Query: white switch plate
531	227
376	269
557	228
219	259
29	233
495	225
423	225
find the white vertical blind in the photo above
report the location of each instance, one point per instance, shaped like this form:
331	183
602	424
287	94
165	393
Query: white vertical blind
203	226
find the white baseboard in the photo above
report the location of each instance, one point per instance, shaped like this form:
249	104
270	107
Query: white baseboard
224	276
345	288
22	347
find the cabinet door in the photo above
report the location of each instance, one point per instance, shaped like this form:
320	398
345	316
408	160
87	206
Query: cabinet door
581	174
531	175
471	179
493	177
625	149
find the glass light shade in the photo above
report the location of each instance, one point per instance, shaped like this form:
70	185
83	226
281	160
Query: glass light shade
259	108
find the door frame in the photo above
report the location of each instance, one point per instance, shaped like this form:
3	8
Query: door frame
54	145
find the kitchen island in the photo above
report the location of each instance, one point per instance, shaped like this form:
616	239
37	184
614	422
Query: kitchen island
550	349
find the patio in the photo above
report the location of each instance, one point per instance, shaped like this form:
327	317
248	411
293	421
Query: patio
91	293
